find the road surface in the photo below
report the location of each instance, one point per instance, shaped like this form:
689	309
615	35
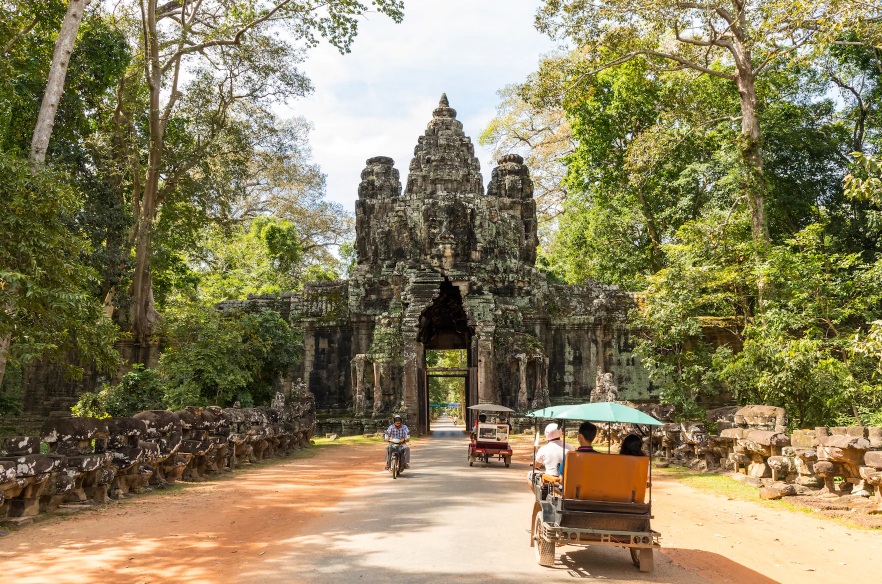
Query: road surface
442	521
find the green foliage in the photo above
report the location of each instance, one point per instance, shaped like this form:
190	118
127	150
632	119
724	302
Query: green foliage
220	359
216	359
707	266
258	257
45	304
11	396
139	390
800	354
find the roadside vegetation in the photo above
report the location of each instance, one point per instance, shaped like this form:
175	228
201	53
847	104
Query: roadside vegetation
145	176
721	159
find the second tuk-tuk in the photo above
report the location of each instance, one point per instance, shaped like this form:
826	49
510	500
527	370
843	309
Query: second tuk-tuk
490	439
600	499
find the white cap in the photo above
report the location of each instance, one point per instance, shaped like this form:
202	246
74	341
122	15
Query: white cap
552	431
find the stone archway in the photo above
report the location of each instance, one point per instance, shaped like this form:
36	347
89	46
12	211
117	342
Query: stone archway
443	325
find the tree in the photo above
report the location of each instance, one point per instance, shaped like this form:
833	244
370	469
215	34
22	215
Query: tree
734	40
45	305
220	359
237	52
542	136
254	258
64	47
283	182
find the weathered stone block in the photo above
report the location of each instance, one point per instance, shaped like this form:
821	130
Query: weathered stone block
804	438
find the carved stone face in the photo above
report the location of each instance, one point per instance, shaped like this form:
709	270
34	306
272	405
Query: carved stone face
447	231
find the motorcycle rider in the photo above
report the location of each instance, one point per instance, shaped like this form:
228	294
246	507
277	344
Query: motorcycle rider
397	430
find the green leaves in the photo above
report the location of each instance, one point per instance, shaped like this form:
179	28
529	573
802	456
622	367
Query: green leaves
45	300
868	188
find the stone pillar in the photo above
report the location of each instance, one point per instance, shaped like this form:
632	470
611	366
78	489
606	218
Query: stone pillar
379	366
358	394
412	350
523	404
485	364
308	354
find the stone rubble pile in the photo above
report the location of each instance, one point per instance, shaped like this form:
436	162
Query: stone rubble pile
842	463
90	460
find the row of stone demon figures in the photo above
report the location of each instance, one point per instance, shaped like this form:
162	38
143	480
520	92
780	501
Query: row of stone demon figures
752	441
93	459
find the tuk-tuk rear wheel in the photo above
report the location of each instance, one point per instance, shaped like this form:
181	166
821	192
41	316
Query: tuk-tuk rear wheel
545	549
507	460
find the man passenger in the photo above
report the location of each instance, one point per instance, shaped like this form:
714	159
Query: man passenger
587	434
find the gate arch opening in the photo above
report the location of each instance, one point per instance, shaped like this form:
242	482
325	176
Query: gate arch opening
444	326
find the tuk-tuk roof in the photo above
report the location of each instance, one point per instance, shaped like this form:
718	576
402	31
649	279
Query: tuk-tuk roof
597	412
490	408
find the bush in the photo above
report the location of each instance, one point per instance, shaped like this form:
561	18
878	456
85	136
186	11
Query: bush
139	390
214	359
221	358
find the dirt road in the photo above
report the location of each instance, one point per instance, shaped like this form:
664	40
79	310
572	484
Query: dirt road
337	517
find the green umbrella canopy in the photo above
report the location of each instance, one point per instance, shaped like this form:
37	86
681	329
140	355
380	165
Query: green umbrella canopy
598	412
490	408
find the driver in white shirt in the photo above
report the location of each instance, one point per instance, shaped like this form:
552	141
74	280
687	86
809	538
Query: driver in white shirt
550	456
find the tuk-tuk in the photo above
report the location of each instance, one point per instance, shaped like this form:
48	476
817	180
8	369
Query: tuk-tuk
600	498
490	439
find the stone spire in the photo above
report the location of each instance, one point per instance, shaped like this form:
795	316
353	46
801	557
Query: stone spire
511	179
444	158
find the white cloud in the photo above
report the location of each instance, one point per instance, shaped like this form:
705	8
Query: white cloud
378	99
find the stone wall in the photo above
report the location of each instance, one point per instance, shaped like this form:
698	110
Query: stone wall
77	461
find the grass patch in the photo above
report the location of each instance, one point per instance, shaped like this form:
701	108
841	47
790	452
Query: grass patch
348	440
351	440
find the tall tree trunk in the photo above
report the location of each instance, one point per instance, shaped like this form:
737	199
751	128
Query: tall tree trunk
145	314
5	341
749	148
64	46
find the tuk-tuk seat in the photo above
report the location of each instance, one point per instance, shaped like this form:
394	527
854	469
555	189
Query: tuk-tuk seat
605	482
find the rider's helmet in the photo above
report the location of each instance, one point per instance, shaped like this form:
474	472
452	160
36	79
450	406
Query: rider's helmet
482	417
396	419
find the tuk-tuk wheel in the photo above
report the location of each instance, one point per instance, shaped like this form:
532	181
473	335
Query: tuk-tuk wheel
507	460
545	549
471	460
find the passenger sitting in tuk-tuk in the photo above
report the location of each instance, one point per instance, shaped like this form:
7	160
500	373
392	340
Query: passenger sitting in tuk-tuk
551	455
632	445
482	419
587	434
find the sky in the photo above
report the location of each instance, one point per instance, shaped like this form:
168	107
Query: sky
378	99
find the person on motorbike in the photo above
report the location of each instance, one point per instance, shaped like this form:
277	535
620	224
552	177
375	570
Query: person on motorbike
397	430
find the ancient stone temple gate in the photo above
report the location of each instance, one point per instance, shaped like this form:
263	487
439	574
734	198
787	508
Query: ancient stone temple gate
445	266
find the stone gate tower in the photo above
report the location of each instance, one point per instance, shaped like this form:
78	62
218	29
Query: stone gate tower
442	265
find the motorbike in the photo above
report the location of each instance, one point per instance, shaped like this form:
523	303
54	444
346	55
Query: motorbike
396	462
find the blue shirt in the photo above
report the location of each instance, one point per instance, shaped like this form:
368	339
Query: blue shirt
401	433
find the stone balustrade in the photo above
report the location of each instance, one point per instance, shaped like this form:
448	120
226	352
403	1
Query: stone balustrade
86	460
